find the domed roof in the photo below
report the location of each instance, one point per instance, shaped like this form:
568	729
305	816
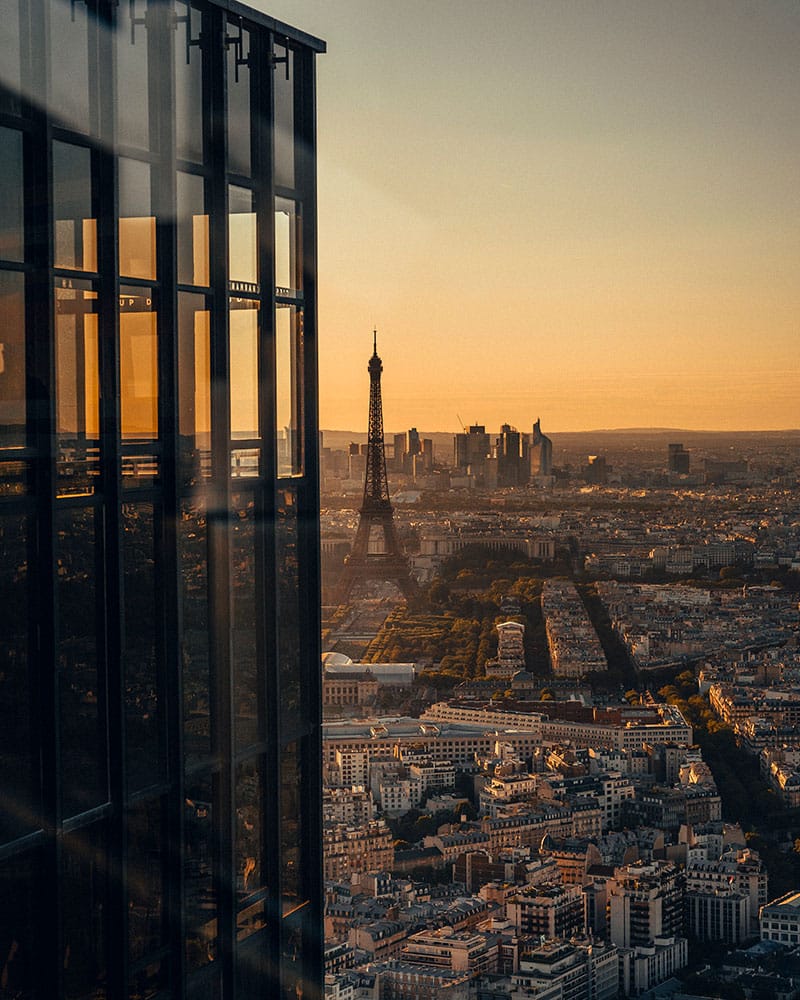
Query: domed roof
335	660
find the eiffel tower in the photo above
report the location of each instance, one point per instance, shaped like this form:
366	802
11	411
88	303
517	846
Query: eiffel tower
376	552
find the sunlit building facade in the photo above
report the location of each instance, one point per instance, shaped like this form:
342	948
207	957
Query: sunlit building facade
160	811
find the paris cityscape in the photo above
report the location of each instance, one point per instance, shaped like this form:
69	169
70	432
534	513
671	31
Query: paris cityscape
399	500
561	697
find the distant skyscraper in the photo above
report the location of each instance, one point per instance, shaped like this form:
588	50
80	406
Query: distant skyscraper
596	472
160	803
677	459
512	469
471	449
376	553
541	453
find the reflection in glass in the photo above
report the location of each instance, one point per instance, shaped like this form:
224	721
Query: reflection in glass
69	62
244	652
139	663
133	126
9	60
289	625
75	227
239	159
137	224
194	386
138	364
77	387
81	679
200	902
250	889
12	359
244	368
18	811
145	879
243	240
289	389
283	76
195	638
193	268
84	894
188	63
245	463
288	248
293	895
11	210
19	882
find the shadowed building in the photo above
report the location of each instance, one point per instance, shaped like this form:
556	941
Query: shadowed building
160	813
541	453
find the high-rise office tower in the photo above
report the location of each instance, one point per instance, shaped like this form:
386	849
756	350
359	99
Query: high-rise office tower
678	459
512	457
471	449
541	453
160	809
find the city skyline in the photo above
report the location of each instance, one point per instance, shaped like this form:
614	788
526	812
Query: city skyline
582	212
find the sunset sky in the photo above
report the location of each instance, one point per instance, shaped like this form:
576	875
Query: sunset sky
583	211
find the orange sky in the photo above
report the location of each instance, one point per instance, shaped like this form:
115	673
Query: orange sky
583	211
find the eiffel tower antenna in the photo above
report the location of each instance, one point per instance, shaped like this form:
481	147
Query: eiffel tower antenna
376	552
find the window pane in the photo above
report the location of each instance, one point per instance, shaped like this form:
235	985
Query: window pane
77	387
244	368
9	59
243	261
250	893
243	641
196	639
133	118
291	686
194	387
69	63
11	211
283	76
200	897
137	224
192	231
239	160
19	878
288	248
85	908
145	880
289	389
12	360
75	228
140	669
188	84
81	679
138	362
18	801
293	879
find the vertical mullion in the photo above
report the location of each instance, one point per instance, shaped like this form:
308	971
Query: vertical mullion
219	505
162	102
40	315
262	113
104	165
308	519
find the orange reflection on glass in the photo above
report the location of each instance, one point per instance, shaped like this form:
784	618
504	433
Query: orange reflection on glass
289	389
244	368
137	247
138	362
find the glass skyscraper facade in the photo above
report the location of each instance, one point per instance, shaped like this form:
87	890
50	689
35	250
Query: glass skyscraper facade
159	578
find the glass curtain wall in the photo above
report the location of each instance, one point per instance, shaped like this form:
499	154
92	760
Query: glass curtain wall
160	691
